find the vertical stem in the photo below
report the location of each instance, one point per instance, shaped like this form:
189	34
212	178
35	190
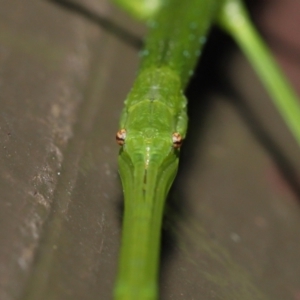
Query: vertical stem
235	20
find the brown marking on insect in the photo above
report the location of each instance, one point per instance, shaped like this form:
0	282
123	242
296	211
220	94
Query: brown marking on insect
120	136
177	140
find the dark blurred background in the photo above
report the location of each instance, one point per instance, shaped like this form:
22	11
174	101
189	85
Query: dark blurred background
232	223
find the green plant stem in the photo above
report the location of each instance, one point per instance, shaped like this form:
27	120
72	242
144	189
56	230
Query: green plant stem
235	20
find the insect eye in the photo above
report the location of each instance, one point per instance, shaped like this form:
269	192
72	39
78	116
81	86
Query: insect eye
177	140
120	137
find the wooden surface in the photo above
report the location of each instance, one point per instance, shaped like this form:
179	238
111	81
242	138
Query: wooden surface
232	222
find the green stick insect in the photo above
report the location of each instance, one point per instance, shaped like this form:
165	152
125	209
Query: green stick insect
154	120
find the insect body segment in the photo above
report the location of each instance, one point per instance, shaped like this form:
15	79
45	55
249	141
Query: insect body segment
154	122
154	116
153	126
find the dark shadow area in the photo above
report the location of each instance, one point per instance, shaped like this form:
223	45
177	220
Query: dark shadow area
202	84
121	33
259	132
282	46
210	77
262	137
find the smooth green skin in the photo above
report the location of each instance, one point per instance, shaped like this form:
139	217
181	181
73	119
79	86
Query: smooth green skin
156	108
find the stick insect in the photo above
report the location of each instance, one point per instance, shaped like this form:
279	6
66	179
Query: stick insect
154	121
